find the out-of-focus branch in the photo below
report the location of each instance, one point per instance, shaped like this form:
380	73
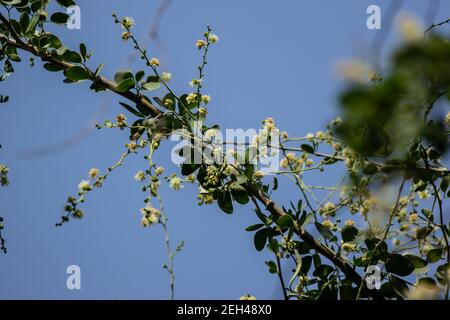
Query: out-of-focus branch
435	25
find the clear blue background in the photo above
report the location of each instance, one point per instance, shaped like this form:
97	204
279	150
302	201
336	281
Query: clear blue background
274	58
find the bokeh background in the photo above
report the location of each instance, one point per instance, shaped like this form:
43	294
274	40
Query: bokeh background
274	58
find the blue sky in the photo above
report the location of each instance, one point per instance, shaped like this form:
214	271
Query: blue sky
274	58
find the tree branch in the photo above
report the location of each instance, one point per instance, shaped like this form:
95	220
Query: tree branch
435	25
108	84
342	264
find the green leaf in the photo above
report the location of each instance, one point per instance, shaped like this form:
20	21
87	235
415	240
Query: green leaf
441	273
125	85
249	171
61	50
139	75
239	194
329	160
302	247
423	232
4	99
132	110
16	26
8	67
307	148
254	227
275	184
144	110
317	260
324	231
444	183
272	267
305	218
323	271
418	262
250	154
50	40
134	130
347	292
349	233
11	52
98	70
260	239
285	221
381	249
369	168
399	286
52	68
36	5
33	23
426	281
299	205
76	73
24	21
169	101
261	216
298	268
83	51
306	264
400	265
150	86
189	168
122	75
183	105
434	255
12	2
66	3
225	202
273	245
71	56
59	18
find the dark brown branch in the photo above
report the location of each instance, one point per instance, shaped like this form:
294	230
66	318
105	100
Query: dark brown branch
108	84
323	250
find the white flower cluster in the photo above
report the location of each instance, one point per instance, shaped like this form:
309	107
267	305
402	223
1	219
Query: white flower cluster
150	216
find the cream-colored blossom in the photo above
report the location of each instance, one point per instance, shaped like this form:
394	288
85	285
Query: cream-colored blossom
206	98
200	43
191	98
126	35
350	223
410	27
128	22
166	76
328	224
328	209
84	186
175	183
94	172
423	291
139	176
154	62
213	38
447	119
